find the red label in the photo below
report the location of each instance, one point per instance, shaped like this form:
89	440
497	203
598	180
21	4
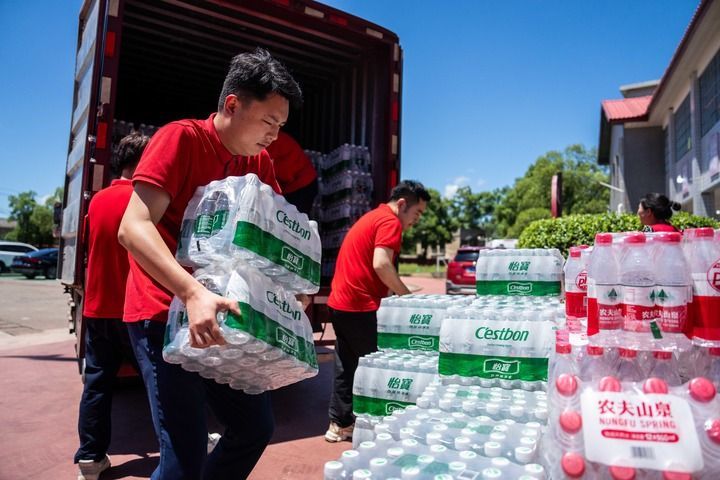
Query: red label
575	304
593	326
673	319
713	275
581	280
609	317
706	316
662	437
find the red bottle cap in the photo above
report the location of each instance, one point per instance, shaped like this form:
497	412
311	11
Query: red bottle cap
627	353
594	350
704	232
573	465
563	348
635	238
702	389
655	385
603	238
575	252
663	355
622	473
566	385
673	237
570	421
715	352
712	429
676	476
609	384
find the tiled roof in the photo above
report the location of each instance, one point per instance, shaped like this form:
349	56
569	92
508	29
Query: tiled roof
626	109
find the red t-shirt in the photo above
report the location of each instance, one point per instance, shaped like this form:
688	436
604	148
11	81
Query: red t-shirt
107	267
356	287
180	157
663	227
293	168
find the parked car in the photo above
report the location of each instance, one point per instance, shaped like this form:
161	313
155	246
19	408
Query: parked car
10	250
40	262
460	277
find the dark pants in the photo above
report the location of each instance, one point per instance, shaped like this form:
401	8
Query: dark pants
106	345
355	337
303	198
177	403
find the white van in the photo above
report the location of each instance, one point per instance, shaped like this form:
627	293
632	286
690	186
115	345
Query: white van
10	250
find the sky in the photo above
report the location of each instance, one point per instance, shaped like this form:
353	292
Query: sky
488	86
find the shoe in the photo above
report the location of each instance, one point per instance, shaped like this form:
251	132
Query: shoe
91	470
336	433
213	439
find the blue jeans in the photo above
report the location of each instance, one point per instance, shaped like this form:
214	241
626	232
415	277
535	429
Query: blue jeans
177	404
106	345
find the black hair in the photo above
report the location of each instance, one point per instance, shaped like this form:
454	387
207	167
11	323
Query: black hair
660	205
411	190
128	151
254	76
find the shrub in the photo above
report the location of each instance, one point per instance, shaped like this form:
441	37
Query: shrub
564	232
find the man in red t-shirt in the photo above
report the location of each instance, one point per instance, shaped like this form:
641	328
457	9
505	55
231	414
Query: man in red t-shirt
182	156
106	338
294	171
364	272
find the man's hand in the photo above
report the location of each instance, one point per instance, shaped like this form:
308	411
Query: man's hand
202	308
303	299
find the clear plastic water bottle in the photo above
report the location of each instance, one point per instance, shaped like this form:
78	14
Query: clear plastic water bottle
637	278
666	368
604	293
595	364
673	292
705	272
575	289
628	369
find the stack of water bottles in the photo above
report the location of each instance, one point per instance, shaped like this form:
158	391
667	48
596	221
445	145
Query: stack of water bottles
503	341
412	322
346	188
531	272
387	381
605	425
248	244
454	440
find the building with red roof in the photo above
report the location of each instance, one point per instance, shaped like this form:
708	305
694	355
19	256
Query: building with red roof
664	136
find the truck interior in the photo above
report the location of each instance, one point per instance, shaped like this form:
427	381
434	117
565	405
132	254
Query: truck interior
173	57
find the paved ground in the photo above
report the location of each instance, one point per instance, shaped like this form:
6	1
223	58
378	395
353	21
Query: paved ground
40	388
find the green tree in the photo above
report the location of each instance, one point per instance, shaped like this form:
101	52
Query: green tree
435	227
582	192
34	221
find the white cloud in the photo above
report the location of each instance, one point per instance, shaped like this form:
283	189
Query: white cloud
480	182
452	188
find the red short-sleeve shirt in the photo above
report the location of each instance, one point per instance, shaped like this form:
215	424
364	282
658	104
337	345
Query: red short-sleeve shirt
356	286
293	168
180	157
107	267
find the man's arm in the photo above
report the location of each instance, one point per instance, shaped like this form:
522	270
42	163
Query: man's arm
139	235
383	265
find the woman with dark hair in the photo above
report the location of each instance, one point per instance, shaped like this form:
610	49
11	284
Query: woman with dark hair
655	210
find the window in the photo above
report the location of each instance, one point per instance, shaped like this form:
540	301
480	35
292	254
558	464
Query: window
710	95
682	129
466	256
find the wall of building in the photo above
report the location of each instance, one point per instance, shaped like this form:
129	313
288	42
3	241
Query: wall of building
618	199
644	164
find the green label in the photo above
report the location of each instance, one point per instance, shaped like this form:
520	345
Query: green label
257	240
407	460
219	221
483	429
507	368
377	406
515	287
269	331
408	341
203	225
436	468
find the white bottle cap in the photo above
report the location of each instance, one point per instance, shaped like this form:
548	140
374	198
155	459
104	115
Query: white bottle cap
492	408
395	452
361	474
457	467
441	427
381	428
491	473
406	432
524	454
528	442
423	402
462	443
378	465
383	439
497	436
333	469
517	410
541	413
425	460
530	432
501	428
536	470
446	403
433	438
500	462
410	473
467	455
492	449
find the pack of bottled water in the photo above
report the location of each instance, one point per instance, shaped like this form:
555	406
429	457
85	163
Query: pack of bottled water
497	403
351	185
412	322
317	159
612	428
243	221
659	289
332	239
269	345
388	381
431	444
343	213
346	157
524	271
500	342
